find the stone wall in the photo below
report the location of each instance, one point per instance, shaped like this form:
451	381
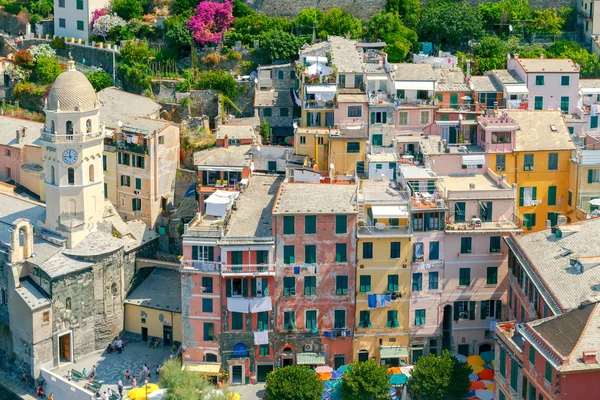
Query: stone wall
204	102
10	23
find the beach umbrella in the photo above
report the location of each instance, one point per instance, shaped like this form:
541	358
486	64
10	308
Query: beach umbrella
491	386
475	360
142	392
323	376
329	385
335	395
160	394
394	370
336	375
477	385
466	97
595	202
398	380
325	396
323	368
485	394
289	140
344	368
477	369
392	392
487	356
460	357
471	394
486	375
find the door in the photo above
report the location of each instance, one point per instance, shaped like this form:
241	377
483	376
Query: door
454	100
491	100
452	139
338	361
360	167
167	334
237	375
416	354
144	334
65	348
262	371
463	349
447	328
272	167
287	361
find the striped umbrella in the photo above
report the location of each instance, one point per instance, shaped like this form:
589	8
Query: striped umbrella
323	368
460	357
473	376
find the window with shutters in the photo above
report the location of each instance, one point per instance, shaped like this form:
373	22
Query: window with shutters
288	225
365	283
502	362
548	372
354	111
434	251
495	244
289	286
340	252
341	224
433	280
378	117
395	250
203	253
491	309
594	176
207	284
424	117
565	80
466	245
594	122
514	375
528	162
564	104
237	321
551	195
136	204
262	257
125	180
237	257
311	319
529	221
420	318
403	118
341	284
339	319
207	305
552	161
267	112
353	147
492	276
417	282
310	254
138	184
262	321
367	250
289	320
138	162
80	25
310	285
539	80
310	224
462	310
392	283
288	254
364	320
209	332
459	211
464	278
264	350
527	196
500	162
392	319
532	355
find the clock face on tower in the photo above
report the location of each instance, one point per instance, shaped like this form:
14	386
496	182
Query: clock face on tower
69	156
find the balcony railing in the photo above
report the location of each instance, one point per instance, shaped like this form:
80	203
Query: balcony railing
318	104
517	104
384	231
74	138
476	224
134	148
248	269
205	266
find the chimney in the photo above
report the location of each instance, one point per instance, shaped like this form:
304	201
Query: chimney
18	136
226	141
589	356
23	131
471	186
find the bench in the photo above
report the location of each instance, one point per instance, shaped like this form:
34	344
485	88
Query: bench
77	375
94	386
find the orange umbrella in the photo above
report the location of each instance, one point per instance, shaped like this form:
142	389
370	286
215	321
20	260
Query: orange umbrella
324	376
490	386
486	375
477	385
394	370
475	360
477	368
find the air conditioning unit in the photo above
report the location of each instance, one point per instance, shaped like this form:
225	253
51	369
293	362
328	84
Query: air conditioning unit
136	192
499	168
439	203
308	347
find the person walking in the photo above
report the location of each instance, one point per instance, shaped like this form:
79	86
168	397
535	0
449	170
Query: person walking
120	388
133	382
127	376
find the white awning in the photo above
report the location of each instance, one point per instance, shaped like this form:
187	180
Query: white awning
412	85
320	89
473	160
516	89
376	77
389	212
314	59
447	123
590	90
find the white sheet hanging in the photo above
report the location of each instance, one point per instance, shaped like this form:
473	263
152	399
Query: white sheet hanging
261	337
238	304
260	304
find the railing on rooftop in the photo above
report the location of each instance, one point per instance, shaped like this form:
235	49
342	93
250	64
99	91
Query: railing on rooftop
132	147
201	265
477	224
317	104
198	227
76	137
248	269
384	231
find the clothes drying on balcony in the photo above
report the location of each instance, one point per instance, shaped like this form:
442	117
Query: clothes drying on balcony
260	304
379	300
238	304
261	337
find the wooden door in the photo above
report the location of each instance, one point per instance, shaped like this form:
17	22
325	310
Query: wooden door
65	347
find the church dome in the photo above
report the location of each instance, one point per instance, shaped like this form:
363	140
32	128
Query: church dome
71	91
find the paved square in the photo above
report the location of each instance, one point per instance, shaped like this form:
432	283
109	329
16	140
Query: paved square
111	367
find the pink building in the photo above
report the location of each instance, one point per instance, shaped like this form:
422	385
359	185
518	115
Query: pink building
316	256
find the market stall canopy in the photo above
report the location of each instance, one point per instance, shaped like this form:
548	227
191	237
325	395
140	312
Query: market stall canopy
209	369
310	359
393	352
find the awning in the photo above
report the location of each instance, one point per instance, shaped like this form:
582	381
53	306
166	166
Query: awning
310	359
376	77
473	160
320	89
393	352
414	85
211	369
468	122
314	59
447	123
516	89
590	90
389	212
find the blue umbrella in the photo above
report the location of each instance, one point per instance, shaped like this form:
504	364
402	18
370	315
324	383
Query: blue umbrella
343	368
329	385
392	392
336	375
487	356
398	379
471	394
335	395
460	357
325	396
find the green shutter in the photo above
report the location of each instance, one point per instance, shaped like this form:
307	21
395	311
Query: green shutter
551	195
472	310
521	196
253	287
498	309
142	160
310	224
534	193
456	310
341	224
372	118
245	287
133	204
119	155
384	117
228	287
590	175
484	309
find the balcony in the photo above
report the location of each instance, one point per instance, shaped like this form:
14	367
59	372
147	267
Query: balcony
509	334
415	103
200	265
74	138
131	147
318	79
521	104
381	230
205	226
248	270
320	104
380	98
475	225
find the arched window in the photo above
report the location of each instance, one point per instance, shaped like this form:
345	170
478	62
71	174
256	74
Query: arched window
52	128
71	176
88	126
69	128
52	175
113	289
68	304
91	173
209	357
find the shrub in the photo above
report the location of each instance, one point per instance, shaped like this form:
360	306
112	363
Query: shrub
30	95
211	19
234	55
24	58
42	51
128	9
47	69
58	43
100	80
212	58
292	383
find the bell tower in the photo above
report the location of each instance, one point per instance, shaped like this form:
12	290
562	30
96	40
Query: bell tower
72	151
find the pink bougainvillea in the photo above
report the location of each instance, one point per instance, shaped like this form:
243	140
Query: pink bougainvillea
210	21
99	12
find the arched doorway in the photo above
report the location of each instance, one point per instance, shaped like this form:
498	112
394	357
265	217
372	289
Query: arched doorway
209	357
287	356
363	355
447	328
240	350
483	347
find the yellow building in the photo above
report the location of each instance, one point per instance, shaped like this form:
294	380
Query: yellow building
539	165
584	183
153	309
383	268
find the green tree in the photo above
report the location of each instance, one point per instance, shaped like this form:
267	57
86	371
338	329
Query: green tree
265	132
449	22
399	39
547	21
409	10
489	54
340	22
365	381
100	80
293	383
176	33
128	9
439	378
278	45
135	64
182	385
47	69
588	63
240	9
307	18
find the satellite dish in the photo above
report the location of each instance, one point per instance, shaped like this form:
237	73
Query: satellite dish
252	166
120	124
295	125
255	80
331	166
257	148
